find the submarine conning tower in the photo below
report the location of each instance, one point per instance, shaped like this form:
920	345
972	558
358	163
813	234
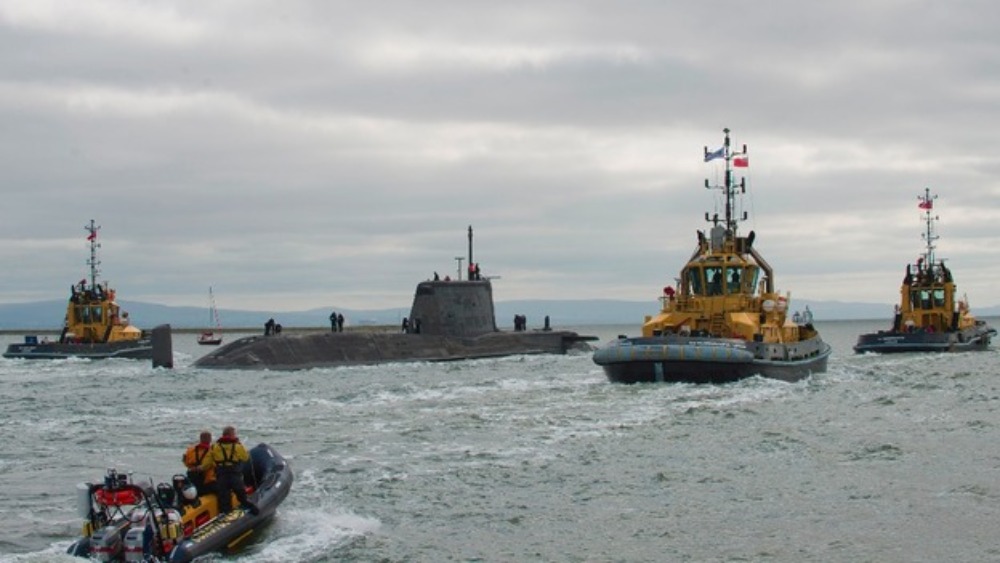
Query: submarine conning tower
453	308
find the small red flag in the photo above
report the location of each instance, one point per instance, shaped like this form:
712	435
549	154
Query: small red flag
92	235
741	161
926	204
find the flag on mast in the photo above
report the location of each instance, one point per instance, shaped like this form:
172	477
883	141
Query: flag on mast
715	154
741	161
926	204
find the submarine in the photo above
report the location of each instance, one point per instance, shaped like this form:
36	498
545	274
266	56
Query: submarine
449	320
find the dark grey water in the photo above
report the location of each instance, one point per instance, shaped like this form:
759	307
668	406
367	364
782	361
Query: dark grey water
538	458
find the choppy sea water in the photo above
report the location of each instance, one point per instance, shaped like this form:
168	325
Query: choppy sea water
537	458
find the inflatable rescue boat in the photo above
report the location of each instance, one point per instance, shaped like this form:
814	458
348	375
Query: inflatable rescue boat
128	521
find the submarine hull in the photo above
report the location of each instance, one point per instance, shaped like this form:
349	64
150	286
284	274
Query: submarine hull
449	320
305	351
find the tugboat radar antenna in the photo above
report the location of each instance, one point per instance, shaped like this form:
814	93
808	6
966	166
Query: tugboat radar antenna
927	204
93	262
730	186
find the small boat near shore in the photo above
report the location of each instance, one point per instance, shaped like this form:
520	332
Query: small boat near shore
725	321
209	338
212	337
928	317
95	326
129	521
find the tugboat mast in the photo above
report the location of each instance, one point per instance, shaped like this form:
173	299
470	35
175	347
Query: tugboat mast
927	204
729	188
93	262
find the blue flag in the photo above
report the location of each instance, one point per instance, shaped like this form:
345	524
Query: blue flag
714	155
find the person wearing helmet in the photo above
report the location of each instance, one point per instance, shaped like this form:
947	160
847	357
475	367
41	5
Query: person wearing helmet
203	479
227	456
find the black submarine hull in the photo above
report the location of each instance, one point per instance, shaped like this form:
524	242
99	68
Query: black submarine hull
305	351
449	320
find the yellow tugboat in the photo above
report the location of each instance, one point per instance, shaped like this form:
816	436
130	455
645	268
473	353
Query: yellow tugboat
928	317
726	321
95	326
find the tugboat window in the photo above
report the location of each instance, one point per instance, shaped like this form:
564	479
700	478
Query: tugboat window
750	276
713	274
733	277
83	313
939	298
96	313
925	299
694	280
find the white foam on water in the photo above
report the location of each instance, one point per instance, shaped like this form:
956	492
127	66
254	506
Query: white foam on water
55	553
311	534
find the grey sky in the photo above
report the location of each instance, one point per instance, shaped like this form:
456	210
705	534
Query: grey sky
304	154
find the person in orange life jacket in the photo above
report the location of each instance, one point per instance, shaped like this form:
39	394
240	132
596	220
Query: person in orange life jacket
227	456
203	479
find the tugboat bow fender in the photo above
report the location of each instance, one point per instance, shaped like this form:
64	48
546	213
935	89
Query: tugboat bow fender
639	351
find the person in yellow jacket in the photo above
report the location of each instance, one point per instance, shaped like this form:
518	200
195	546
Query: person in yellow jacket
203	479
228	456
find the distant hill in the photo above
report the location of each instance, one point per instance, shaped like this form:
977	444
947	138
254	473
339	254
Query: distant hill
48	315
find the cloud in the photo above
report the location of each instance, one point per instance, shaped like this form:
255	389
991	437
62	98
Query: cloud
138	21
313	154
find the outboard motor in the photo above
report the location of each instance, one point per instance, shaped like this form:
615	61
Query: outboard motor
137	542
146	527
106	543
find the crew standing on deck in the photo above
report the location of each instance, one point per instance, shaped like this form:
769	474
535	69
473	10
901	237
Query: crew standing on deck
227	456
203	479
